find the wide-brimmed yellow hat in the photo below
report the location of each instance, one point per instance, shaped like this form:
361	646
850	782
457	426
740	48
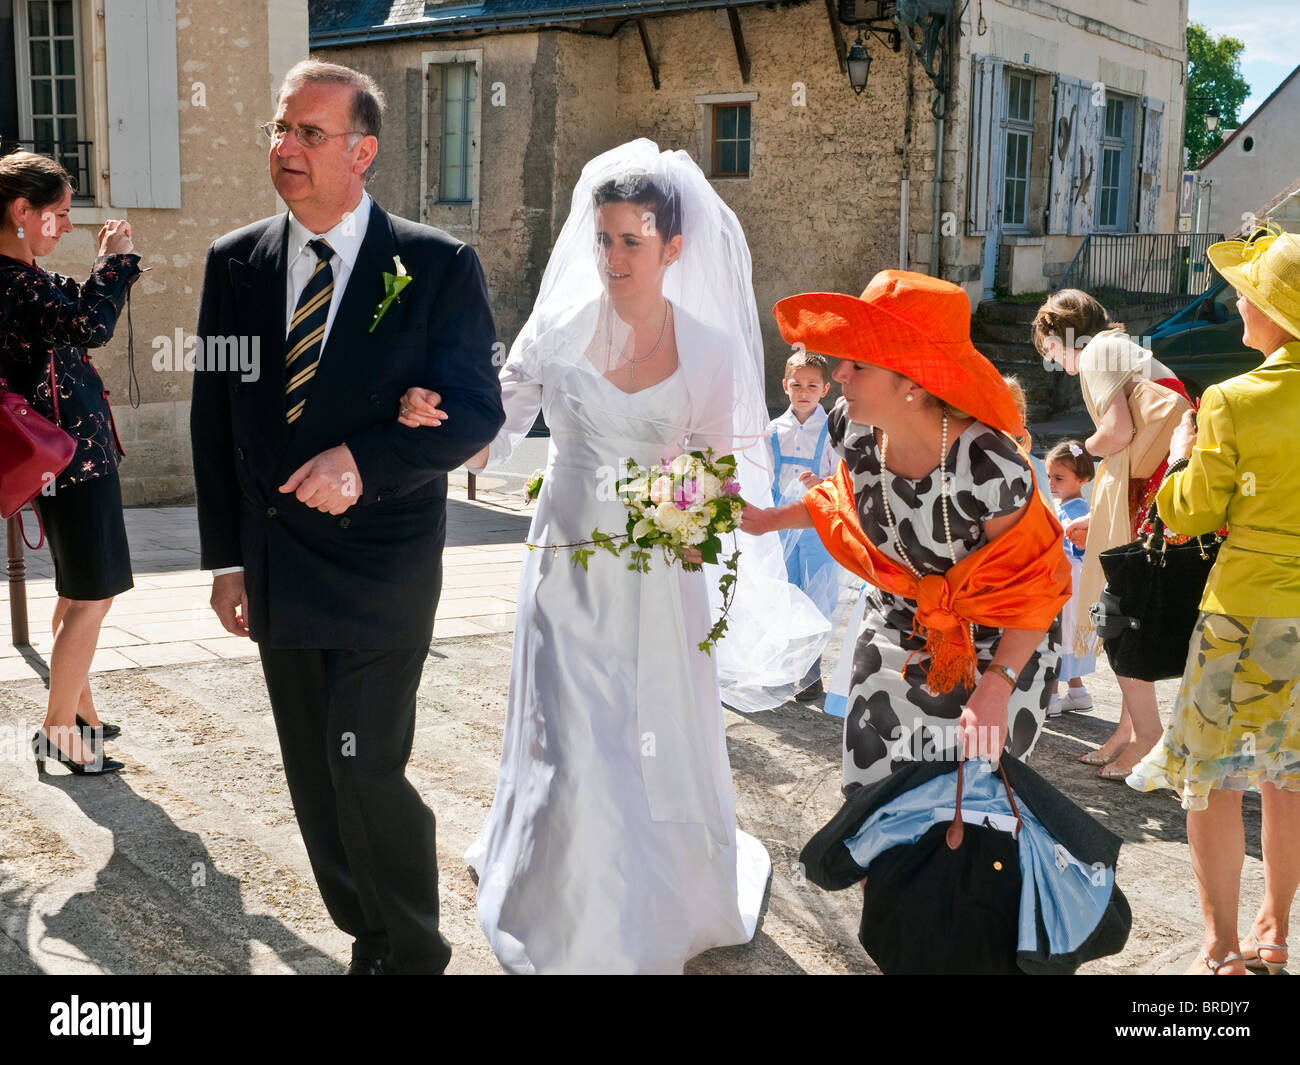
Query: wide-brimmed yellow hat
1265	271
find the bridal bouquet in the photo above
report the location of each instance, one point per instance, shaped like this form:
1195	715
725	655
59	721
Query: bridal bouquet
688	503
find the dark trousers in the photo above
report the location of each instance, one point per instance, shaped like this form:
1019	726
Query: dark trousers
346	721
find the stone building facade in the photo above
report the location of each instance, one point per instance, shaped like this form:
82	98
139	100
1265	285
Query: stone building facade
160	102
839	185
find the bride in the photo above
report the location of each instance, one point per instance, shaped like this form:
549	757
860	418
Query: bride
612	845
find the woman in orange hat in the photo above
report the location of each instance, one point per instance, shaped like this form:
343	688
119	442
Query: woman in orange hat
934	506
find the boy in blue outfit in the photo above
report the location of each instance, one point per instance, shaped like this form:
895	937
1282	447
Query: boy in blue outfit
802	457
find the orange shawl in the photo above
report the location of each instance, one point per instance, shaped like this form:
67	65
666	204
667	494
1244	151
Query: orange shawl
1021	580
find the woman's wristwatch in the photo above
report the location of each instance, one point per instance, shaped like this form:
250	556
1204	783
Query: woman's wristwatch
1005	672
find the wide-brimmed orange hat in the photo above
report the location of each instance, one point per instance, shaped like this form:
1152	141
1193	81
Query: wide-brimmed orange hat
915	325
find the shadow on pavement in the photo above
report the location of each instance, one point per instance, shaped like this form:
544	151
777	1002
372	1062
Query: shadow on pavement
160	904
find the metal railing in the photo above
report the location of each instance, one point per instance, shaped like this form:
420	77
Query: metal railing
77	158
1163	271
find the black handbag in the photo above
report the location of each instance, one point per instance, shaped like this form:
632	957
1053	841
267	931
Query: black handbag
948	903
951	900
1151	601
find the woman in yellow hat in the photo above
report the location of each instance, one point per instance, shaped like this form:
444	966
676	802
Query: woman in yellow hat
1235	725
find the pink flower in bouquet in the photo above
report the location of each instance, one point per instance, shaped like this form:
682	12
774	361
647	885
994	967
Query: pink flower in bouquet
662	490
688	493
731	487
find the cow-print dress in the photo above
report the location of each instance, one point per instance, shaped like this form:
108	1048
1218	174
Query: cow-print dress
891	718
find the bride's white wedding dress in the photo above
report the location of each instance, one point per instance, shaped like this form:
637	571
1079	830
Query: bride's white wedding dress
612	846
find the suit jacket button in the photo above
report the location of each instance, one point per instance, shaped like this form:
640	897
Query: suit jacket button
374	398
344	522
239	451
271	512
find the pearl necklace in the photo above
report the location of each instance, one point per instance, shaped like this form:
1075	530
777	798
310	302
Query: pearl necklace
943	496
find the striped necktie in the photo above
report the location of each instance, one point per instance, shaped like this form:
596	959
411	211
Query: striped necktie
307	332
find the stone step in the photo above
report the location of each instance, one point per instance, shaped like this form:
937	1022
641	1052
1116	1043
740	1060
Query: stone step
1005	311
1020	355
1000	331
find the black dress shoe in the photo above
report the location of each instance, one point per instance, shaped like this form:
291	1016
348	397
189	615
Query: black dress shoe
44	751
367	967
810	693
105	730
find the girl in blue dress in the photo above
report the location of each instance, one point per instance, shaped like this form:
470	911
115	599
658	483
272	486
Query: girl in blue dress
1069	468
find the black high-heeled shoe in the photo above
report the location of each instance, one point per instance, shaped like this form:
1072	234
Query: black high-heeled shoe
106	731
43	749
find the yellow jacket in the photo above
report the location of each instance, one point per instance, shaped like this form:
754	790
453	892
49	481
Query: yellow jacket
1245	472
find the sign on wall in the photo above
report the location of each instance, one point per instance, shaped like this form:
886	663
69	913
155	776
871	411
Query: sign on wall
1187	194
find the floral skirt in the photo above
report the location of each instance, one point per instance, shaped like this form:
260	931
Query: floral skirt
1236	723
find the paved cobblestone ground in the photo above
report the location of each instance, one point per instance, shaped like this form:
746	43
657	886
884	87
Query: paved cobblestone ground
190	860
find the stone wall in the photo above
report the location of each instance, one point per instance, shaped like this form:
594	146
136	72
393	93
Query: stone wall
229	58
821	207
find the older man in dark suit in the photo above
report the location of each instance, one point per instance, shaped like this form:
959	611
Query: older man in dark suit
322	518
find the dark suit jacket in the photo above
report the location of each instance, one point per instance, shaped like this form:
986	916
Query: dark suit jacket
370	577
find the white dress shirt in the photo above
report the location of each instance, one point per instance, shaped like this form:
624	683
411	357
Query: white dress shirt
345	238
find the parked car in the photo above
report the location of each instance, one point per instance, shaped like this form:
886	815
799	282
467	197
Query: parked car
1202	343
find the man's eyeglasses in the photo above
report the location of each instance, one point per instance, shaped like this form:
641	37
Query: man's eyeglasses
307	136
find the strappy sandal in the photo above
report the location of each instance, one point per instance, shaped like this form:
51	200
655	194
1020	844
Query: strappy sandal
1258	964
1110	771
1215	966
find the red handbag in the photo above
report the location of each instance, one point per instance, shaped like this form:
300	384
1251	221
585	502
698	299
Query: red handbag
33	450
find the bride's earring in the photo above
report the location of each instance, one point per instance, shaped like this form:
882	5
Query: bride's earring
909	398
21	234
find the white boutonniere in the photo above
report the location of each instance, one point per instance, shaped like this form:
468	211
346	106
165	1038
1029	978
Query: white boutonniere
393	285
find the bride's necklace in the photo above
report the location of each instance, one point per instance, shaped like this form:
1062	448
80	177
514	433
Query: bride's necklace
632	362
943	496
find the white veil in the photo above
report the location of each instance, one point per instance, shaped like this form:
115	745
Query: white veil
774	632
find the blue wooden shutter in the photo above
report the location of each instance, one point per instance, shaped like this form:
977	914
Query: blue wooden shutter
984	189
1153	113
144	152
1064	146
1087	158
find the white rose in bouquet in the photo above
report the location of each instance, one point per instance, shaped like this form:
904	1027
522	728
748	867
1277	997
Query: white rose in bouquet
683	464
710	486
668	518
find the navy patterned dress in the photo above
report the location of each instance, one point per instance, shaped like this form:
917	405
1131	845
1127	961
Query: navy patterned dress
891	718
42	312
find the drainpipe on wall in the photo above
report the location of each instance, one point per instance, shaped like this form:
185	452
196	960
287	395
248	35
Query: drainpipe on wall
936	267
936	224
905	186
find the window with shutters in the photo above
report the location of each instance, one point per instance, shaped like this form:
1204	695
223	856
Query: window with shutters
1018	133
1115	164
49	89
